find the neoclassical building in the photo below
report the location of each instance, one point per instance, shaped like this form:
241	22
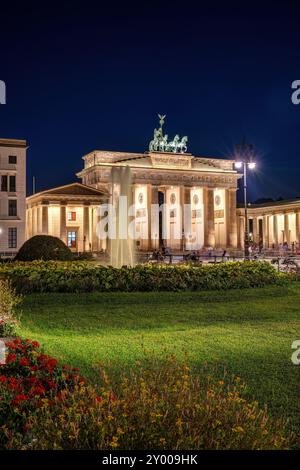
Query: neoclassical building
68	212
208	185
272	223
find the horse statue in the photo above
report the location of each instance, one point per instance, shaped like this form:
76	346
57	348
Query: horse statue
163	143
153	145
174	144
182	147
160	143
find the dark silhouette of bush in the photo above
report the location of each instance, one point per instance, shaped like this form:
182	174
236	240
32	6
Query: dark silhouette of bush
44	247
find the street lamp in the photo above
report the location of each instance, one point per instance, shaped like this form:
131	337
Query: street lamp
244	154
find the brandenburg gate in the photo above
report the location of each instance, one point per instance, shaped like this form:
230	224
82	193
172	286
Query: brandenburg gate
197	195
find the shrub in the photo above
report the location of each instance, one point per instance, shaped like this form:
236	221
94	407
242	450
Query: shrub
28	381
85	277
167	407
9	300
86	256
44	247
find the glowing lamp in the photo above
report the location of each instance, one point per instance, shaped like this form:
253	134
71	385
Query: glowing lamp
251	165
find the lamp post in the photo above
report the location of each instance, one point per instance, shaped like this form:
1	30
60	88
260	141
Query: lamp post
244	154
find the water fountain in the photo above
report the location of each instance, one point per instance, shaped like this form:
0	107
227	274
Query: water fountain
122	247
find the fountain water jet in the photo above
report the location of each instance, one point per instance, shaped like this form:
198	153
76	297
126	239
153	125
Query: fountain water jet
122	247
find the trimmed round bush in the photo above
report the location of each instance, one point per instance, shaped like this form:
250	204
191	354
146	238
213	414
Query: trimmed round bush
44	247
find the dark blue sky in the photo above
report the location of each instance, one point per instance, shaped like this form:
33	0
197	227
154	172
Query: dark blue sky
81	78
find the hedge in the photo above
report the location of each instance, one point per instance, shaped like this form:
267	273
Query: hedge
53	276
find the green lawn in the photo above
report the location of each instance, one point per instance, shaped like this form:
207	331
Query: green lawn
250	332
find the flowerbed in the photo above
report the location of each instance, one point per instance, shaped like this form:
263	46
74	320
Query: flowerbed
50	276
48	406
28	381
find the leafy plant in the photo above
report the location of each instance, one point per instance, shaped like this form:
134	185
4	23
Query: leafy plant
9	301
29	380
80	276
165	406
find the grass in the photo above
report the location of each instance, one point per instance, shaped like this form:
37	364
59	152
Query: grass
247	332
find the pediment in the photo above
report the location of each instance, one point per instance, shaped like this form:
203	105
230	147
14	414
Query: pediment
74	189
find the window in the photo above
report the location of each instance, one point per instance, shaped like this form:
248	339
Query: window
72	216
12	184
12	207
12	237
12	159
72	239
4	183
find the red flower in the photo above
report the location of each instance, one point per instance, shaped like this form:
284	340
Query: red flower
52	363
10	358
99	399
32	380
19	398
24	361
42	358
39	390
3	379
51	384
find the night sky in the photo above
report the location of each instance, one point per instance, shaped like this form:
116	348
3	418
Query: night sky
80	78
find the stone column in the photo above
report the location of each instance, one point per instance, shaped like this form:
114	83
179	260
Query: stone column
275	230
286	228
255	229
86	228
231	221
29	230
63	223
102	243
148	244
32	222
241	232
164	229
185	200
153	218
45	228
209	217
99	243
39	219
94	229
298	227
266	231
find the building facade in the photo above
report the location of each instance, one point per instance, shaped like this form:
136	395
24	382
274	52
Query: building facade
271	224
68	212
206	187
12	195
